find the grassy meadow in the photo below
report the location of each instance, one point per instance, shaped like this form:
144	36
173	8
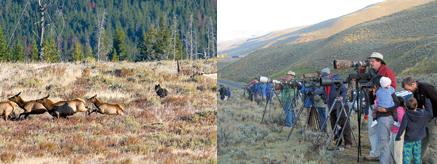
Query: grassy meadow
180	128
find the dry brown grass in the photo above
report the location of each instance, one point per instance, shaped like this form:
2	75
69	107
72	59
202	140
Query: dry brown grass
155	130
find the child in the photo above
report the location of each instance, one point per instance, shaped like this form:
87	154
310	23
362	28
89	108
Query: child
413	122
397	147
383	95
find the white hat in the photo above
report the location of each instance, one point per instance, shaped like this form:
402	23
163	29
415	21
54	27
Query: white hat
291	73
385	81
377	55
327	70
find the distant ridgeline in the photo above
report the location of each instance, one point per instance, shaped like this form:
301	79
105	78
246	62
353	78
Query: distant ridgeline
407	39
108	30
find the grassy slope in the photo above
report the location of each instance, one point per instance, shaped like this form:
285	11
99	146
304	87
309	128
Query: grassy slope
242	138
407	40
180	136
321	30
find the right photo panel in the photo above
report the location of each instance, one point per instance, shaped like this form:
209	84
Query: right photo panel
327	81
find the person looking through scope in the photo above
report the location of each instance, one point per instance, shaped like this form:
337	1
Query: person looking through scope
287	95
330	94
378	67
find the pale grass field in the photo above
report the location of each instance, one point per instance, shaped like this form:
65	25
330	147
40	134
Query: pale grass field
180	128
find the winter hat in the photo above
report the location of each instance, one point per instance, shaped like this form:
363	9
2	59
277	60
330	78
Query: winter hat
327	70
385	81
283	79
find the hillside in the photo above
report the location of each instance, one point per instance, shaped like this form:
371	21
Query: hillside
320	30
76	21
179	128
407	40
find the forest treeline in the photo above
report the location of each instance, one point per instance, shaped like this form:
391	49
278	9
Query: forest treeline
107	30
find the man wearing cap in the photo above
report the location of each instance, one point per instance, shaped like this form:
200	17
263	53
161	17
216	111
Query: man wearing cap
422	91
378	67
287	96
330	94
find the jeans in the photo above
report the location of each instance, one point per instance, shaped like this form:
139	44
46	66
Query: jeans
322	114
290	116
384	126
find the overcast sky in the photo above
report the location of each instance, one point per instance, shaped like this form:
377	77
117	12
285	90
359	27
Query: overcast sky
248	18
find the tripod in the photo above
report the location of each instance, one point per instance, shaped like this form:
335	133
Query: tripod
339	111
313	110
270	101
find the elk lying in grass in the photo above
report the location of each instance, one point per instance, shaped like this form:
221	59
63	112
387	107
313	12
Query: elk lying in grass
63	108
160	91
105	108
30	107
6	108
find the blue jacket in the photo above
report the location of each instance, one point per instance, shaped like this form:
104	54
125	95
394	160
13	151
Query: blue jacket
256	88
268	87
229	93
333	93
263	89
304	91
414	122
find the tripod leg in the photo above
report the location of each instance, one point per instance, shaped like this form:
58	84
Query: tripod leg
304	126
264	113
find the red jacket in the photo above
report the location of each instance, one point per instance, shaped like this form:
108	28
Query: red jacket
385	72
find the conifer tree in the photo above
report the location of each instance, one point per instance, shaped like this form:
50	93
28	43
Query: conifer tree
34	54
19	53
2	46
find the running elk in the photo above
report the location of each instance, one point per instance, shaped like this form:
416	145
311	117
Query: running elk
30	107
6	108
105	108
63	108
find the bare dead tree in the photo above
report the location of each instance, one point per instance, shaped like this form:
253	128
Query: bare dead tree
190	28
195	45
172	44
212	37
100	31
43	8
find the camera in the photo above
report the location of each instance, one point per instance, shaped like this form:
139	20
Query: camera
311	77
311	80
367	85
264	79
326	81
361	77
342	64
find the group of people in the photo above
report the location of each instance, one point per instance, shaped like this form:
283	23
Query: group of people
225	93
259	91
399	130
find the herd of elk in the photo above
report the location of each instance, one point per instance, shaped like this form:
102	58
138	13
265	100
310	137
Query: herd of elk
56	109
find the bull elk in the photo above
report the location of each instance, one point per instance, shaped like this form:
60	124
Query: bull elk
30	107
105	108
63	108
6	108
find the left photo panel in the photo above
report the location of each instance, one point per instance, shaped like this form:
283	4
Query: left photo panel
95	81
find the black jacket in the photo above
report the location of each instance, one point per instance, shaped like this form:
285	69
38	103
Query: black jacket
414	123
426	91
